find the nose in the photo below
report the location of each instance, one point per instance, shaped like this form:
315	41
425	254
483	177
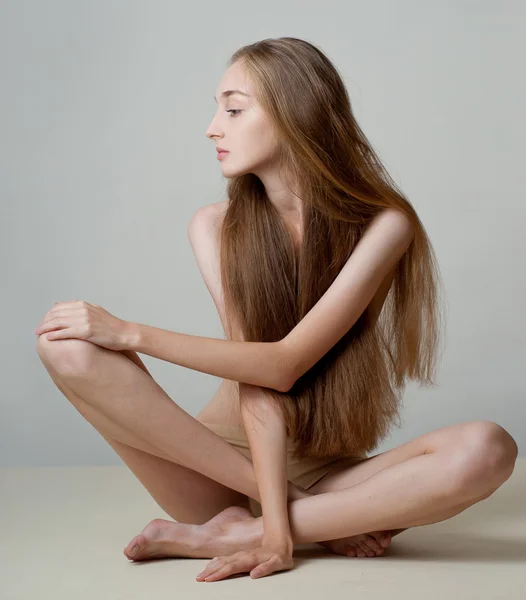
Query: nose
214	130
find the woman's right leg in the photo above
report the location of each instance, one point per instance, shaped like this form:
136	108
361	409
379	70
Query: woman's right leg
185	494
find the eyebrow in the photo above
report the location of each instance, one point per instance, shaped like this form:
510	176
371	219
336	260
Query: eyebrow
227	93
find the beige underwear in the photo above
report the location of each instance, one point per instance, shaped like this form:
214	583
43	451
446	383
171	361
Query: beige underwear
304	473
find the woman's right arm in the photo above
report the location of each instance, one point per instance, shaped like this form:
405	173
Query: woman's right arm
294	492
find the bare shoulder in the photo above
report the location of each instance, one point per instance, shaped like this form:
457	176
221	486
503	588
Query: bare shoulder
393	218
202	233
212	211
206	221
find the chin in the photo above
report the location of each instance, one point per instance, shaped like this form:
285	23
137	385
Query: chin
233	171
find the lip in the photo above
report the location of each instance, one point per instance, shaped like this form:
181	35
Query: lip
221	154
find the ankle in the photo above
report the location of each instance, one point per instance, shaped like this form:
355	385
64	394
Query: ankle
244	535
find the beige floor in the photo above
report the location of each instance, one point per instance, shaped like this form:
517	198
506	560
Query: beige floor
63	531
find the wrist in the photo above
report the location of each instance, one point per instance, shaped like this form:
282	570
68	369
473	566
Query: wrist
281	543
277	533
131	335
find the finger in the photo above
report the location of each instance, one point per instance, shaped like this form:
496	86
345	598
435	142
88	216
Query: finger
69	303
53	314
221	573
47	317
52	325
241	562
64	334
55	323
214	565
44	328
262	572
263	569
210	568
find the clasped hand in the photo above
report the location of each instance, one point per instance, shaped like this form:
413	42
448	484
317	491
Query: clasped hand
268	558
85	321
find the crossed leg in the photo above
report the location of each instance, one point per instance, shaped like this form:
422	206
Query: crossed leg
185	494
342	477
431	480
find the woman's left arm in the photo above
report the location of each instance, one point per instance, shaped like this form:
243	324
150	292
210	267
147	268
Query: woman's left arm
267	437
262	364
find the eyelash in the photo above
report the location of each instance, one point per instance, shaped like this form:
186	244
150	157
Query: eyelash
234	110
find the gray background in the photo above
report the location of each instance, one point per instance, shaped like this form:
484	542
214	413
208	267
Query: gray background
104	160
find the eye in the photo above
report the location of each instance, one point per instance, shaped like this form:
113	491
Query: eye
234	111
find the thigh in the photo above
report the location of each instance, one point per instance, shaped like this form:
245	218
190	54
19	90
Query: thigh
350	472
184	494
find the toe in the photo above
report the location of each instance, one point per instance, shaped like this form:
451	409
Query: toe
132	552
133	549
366	549
359	551
351	550
372	543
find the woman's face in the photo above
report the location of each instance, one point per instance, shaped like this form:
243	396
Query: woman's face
241	127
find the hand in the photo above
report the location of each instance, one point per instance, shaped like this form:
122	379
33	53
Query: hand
84	321
260	562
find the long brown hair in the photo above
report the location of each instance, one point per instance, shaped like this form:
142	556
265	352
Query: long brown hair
346	403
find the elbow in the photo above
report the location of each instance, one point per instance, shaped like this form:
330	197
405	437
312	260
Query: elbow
288	385
288	379
282	383
286	368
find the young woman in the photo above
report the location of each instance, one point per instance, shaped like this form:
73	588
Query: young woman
327	286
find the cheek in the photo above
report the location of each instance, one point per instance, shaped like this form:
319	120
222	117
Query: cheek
259	142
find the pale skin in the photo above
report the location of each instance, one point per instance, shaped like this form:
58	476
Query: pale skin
198	478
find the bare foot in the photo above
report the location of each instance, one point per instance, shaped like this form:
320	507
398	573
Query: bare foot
361	545
230	531
162	538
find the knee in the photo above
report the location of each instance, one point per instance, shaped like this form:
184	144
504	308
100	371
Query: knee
71	357
486	456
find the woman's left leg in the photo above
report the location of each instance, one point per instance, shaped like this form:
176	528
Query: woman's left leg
424	481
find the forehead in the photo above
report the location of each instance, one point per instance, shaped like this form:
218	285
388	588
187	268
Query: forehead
234	79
